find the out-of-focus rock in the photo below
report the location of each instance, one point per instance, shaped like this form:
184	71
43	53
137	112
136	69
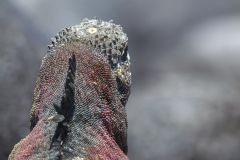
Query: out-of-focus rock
190	107
21	48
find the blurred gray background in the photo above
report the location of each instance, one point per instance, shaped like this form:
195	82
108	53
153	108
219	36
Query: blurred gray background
185	55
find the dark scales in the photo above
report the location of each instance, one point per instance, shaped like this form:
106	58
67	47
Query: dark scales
67	104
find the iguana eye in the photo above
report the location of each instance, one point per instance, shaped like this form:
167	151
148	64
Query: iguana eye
125	55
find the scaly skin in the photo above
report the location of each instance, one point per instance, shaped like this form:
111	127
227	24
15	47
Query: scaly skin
93	124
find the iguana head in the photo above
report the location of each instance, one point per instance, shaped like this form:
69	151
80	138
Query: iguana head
104	37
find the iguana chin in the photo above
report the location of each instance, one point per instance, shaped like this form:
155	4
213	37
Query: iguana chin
78	109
